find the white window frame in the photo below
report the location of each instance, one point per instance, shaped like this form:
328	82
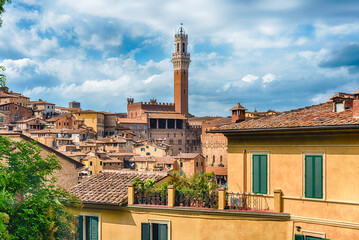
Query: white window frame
88	214
321	153
307	233
161	221
251	153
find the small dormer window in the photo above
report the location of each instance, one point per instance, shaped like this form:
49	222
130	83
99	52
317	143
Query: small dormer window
339	107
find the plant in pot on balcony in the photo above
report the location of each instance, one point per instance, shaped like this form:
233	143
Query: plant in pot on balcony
150	185
140	190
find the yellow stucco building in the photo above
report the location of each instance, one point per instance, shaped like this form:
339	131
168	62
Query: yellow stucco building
291	176
311	156
106	215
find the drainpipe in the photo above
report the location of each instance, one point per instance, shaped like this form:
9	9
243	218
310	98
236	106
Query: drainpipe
244	171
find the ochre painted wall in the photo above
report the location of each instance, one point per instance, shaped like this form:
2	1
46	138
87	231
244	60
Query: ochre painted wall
126	224
286	152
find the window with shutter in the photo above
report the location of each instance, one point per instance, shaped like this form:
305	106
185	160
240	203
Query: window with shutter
298	237
314	176
259	173
80	227
91	228
145	231
154	231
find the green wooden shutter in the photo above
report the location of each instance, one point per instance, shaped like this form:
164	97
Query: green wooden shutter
298	237
80	227
145	231
263	174
309	177
259	173
318	173
314	176
162	229
93	231
255	174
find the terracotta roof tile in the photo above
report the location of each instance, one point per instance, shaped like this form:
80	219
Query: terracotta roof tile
221	171
187	155
110	186
316	115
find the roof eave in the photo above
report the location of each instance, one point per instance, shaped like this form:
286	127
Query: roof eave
309	128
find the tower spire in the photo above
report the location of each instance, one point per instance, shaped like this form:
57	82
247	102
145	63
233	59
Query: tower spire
181	61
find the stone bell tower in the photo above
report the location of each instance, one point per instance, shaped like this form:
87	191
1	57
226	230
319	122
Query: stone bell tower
181	60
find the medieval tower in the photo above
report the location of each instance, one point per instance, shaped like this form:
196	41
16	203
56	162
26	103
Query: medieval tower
181	60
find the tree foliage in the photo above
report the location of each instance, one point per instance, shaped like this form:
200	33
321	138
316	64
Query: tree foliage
2	77
2	10
31	206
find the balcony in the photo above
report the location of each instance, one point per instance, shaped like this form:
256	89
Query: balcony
218	199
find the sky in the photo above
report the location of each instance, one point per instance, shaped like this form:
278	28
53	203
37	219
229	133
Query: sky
276	54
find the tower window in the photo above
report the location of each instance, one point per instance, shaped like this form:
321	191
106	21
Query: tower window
183	47
177	47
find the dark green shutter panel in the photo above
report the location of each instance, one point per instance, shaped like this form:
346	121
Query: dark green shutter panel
255	174
145	231
309	177
80	227
162	228
299	237
318	173
263	174
93	228
314	176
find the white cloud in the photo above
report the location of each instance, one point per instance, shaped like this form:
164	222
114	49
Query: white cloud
36	91
269	77
150	79
249	78
16	68
323	30
322	97
227	86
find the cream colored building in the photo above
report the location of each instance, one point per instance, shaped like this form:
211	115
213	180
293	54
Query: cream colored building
93	163
151	149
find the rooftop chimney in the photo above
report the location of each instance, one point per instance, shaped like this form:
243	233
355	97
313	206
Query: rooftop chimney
238	113
356	104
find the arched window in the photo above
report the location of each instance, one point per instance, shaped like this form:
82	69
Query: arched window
183	47
177	47
1	119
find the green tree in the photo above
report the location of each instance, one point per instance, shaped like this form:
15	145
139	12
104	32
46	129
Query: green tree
2	76
31	206
2	9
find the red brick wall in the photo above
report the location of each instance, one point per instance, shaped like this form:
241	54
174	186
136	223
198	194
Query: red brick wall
181	91
12	109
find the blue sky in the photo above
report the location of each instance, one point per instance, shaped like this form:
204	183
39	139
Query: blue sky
275	54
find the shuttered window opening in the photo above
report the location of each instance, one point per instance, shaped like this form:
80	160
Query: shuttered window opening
302	237
259	173
80	227
314	176
88	227
157	230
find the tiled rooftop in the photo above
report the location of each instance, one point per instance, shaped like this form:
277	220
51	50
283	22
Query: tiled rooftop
312	116
110	186
221	171
186	155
